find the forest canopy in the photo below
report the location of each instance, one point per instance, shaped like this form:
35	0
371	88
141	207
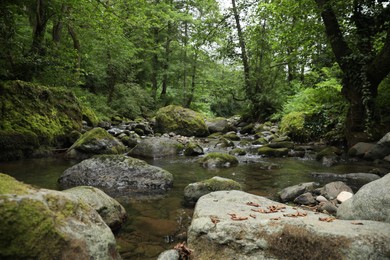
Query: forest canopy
317	65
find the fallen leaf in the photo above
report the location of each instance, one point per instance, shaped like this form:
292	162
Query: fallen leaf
356	223
252	215
253	204
275	218
236	218
183	250
296	214
214	219
326	219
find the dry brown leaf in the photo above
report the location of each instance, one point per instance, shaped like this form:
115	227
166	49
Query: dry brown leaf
214	219
253	204
252	215
356	223
296	214
183	250
278	218
236	218
326	219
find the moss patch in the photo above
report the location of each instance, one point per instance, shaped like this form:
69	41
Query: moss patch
216	184
9	185
218	160
293	124
33	115
180	120
272	152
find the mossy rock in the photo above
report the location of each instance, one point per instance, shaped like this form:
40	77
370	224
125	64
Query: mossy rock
89	116
293	125
156	147
283	144
328	152
46	224
36	115
224	143
272	152
248	129
95	141
237	151
232	136
181	121
218	160
193	149
260	140
215	135
194	191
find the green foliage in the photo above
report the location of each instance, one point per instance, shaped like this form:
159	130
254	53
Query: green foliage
317	112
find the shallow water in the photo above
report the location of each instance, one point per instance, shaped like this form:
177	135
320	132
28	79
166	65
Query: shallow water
155	225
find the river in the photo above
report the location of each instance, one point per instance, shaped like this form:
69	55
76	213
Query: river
154	225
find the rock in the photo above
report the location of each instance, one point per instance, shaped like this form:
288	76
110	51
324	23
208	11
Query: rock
108	208
290	193
33	115
327	207
321	198
193	149
248	129
156	147
218	160
196	190
343	196
181	121
48	224
272	152
333	189
224	143
360	177
237	151
117	174
371	202
218	124
305	199
281	144
329	156
232	136
213	233
171	254
360	149
95	141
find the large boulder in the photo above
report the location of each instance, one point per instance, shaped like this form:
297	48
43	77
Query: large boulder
272	152
371	202
113	213
95	141
47	224
33	115
230	225
182	121
156	147
218	160
218	125
380	150
117	175
194	191
360	149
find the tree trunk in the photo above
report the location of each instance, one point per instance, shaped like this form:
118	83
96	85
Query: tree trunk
155	64
39	22
166	62
193	83
77	47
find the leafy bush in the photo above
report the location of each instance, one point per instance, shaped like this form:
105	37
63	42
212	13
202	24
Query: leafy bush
324	110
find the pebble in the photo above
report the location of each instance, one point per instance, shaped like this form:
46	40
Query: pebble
321	199
343	196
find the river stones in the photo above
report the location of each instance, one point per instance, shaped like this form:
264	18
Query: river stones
224	226
370	202
95	141
193	149
117	175
333	189
113	213
290	193
48	224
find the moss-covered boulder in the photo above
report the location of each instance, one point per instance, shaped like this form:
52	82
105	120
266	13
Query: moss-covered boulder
33	115
156	147
293	125
95	141
47	224
272	152
193	149
117	175
113	213
196	190
182	121
218	160
232	136
237	151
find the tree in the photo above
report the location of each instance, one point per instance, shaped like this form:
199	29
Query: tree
359	35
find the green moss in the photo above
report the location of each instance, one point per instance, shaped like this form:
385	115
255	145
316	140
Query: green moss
48	114
293	124
328	151
92	136
232	136
272	152
216	184
215	135
9	185
222	157
180	120
237	151
28	231
89	116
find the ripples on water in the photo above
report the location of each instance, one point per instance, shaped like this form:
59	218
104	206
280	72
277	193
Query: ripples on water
155	225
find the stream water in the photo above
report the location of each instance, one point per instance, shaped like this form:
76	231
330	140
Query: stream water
154	225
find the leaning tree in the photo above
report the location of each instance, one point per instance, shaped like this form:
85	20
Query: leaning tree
359	34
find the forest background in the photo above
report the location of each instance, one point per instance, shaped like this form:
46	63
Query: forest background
319	66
